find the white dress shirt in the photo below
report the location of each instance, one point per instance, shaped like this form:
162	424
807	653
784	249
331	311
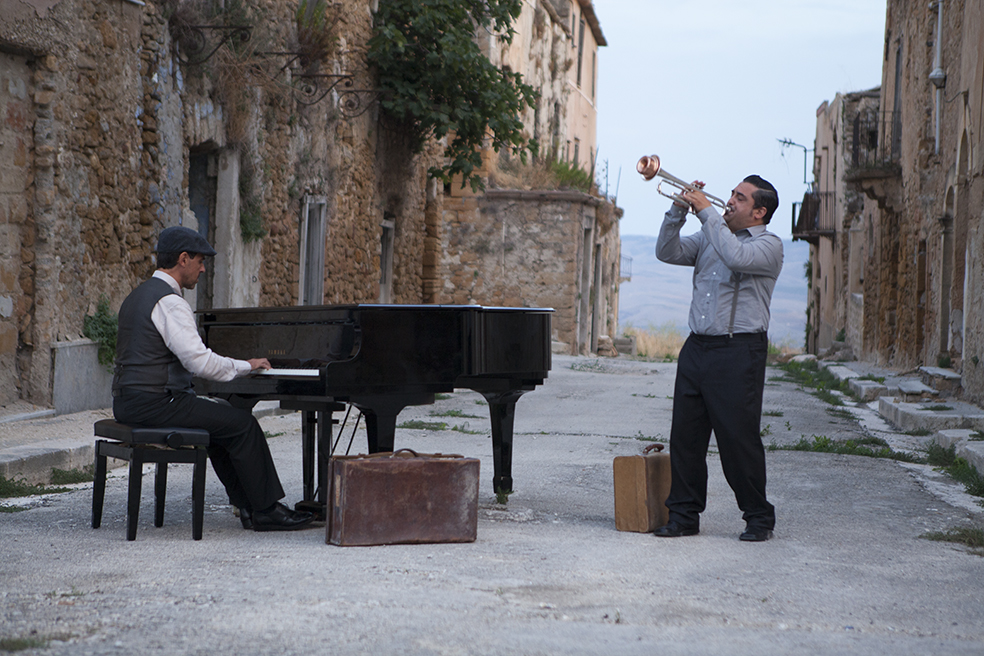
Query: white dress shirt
175	321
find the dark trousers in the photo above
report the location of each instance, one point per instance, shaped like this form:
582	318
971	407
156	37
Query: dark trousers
239	451
719	385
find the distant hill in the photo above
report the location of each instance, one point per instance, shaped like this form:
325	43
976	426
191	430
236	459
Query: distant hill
660	293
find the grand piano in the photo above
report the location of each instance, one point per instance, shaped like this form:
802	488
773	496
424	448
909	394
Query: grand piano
381	359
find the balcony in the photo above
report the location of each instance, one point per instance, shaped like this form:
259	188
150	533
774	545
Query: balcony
876	150
816	218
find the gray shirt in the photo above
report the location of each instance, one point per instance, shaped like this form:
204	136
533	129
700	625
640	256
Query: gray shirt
749	261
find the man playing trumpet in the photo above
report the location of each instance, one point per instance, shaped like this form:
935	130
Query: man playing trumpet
721	369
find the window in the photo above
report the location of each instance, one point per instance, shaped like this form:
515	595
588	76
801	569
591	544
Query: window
313	232
386	259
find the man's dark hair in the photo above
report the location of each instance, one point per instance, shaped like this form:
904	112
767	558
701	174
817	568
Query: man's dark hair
765	195
170	260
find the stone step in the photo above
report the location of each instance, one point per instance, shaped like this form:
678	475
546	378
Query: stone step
944	380
930	415
967	444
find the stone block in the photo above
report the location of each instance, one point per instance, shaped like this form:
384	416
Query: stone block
80	382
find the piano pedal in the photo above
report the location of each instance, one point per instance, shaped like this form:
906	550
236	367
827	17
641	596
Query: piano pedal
315	507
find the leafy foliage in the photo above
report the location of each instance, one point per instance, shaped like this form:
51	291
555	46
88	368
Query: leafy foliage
437	83
101	328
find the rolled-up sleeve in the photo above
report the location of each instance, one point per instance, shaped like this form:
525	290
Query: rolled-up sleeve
176	323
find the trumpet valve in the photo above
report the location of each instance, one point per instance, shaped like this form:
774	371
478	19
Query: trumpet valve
648	166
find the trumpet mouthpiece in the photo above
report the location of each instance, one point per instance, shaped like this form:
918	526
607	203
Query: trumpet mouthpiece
648	166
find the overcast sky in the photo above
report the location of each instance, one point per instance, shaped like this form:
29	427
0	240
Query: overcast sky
711	85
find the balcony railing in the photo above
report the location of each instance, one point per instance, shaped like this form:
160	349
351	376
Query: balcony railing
876	140
625	269
816	217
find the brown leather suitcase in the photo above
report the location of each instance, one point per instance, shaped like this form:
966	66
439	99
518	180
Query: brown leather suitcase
642	484
402	497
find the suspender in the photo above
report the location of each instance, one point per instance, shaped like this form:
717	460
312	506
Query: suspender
734	307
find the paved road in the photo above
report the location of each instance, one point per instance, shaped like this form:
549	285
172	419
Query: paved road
847	572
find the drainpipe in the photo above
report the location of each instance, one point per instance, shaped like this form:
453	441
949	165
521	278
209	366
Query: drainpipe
938	76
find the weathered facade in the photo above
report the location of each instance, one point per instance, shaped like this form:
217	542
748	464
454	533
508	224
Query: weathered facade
910	253
114	125
528	246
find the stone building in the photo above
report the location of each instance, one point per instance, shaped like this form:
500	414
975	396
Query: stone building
905	260
523	244
121	117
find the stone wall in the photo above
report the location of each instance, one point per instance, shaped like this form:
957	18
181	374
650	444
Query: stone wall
921	231
534	249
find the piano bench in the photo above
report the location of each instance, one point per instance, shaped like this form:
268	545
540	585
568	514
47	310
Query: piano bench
157	445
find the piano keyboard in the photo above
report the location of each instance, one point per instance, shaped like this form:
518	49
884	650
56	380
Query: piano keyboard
296	373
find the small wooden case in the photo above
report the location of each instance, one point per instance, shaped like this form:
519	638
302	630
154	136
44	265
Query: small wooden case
642	484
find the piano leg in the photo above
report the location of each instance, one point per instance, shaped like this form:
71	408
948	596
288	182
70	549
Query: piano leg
309	446
381	413
502	409
381	430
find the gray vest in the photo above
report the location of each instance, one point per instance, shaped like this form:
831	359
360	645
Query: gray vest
143	360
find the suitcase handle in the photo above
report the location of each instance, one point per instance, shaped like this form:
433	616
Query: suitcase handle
656	445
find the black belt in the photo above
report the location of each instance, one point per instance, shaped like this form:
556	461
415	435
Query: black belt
741	337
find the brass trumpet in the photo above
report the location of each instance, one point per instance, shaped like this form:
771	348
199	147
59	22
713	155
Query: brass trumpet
649	167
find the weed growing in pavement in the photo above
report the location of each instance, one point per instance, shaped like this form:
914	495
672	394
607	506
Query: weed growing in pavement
937	408
20	644
841	413
424	425
453	413
946	459
772	413
871	447
809	374
967	536
72	476
766	431
12	489
502	496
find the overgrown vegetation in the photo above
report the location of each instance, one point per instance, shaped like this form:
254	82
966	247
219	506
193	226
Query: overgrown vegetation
539	173
824	383
10	489
21	644
101	328
971	537
956	467
437	84
72	476
871	447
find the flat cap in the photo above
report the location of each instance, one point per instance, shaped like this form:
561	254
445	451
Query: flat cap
179	239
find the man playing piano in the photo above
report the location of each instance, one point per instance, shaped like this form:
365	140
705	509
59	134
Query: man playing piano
158	350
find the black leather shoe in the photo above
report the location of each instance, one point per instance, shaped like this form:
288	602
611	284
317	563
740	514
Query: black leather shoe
674	530
246	517
280	518
755	534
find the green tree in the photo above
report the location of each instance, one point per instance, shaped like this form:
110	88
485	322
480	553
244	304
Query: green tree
437	83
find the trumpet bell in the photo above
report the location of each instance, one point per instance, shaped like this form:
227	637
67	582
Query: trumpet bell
648	166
